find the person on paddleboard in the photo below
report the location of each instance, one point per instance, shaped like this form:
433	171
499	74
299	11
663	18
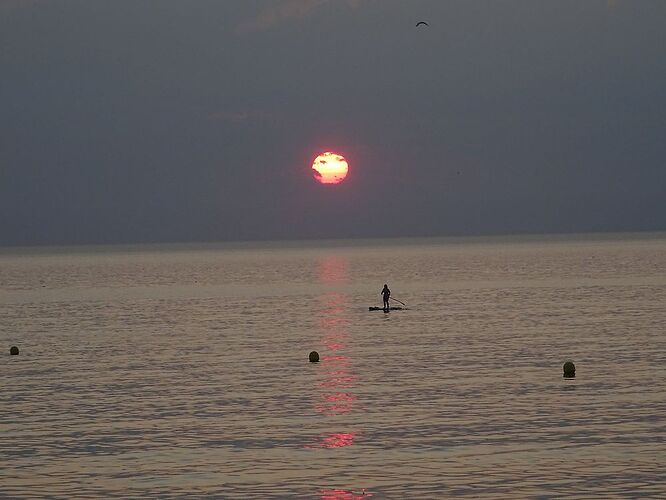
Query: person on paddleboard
386	293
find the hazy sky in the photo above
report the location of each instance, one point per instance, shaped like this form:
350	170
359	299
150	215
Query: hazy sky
133	121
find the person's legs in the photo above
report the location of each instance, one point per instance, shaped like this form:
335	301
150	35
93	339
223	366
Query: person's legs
386	304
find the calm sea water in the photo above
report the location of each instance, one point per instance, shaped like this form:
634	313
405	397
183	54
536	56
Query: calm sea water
183	371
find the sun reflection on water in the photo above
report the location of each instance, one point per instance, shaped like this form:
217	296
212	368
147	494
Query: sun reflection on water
332	269
338	384
344	495
336	404
338	440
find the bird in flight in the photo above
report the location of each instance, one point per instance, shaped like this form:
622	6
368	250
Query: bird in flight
422	23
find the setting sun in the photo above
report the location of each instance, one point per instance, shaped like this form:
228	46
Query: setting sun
330	168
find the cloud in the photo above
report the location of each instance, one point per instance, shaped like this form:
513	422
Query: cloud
283	11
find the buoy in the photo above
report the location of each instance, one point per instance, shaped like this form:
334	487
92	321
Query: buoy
314	357
569	369
13	350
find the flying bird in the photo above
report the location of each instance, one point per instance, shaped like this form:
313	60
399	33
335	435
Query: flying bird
422	23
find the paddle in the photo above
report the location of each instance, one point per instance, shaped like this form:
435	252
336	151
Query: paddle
399	301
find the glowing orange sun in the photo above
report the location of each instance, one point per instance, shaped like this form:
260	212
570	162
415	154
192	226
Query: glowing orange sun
330	168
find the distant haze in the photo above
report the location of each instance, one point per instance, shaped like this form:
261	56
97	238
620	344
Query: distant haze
138	121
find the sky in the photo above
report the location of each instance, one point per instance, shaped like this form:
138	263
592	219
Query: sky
177	121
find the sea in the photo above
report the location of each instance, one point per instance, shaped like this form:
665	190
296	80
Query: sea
182	371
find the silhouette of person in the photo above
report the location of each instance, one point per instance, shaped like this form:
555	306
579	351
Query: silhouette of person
386	293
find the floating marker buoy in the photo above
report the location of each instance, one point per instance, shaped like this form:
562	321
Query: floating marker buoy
314	357
13	350
569	369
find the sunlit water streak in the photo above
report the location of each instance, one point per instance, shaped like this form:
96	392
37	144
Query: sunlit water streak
174	371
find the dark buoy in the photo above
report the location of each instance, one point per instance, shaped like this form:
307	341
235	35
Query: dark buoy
314	357
569	369
13	350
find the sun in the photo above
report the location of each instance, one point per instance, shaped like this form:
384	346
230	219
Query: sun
330	168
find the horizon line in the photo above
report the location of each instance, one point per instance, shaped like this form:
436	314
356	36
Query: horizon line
320	242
